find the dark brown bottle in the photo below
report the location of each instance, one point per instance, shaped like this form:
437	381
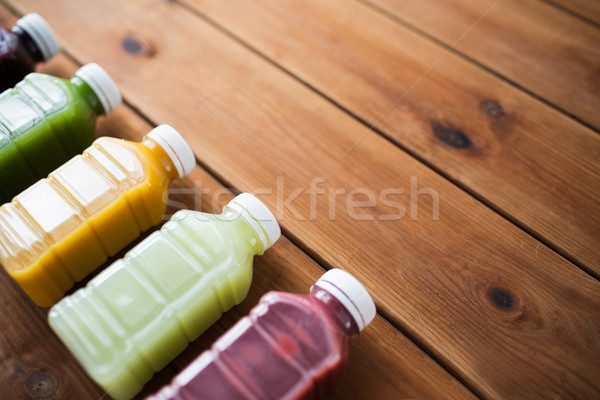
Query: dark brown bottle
30	42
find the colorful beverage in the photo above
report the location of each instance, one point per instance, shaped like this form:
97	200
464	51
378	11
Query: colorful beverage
44	121
136	316
289	347
30	42
62	228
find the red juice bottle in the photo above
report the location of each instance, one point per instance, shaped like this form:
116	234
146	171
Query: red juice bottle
30	41
291	346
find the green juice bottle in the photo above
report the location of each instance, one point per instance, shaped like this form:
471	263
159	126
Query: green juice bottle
134	318
45	121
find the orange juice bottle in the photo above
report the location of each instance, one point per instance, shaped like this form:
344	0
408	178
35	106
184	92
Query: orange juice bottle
63	227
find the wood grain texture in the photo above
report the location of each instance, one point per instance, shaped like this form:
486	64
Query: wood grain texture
589	9
33	362
384	363
508	315
484	297
522	157
540	47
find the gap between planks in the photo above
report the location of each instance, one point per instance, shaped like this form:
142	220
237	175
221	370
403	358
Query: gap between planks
304	248
572	12
297	242
452	49
471	192
446	365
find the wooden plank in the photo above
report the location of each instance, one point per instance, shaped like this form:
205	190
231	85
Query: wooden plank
33	362
478	130
493	303
540	47
589	9
384	363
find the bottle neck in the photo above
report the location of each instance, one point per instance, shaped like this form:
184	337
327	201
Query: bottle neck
336	309
27	45
162	157
244	228
88	94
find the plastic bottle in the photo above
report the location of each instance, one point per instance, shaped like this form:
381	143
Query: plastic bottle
44	121
30	41
138	314
289	347
62	228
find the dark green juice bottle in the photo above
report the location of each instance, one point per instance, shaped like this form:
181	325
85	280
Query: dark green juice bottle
45	121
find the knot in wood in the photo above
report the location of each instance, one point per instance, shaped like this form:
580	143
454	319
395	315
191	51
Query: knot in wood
39	385
492	108
502	298
135	47
451	136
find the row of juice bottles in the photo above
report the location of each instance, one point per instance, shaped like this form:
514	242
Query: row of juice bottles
133	318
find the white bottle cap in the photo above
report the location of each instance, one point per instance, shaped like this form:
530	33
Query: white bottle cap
102	84
176	147
41	33
259	217
351	293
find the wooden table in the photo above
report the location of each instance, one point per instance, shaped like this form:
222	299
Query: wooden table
445	152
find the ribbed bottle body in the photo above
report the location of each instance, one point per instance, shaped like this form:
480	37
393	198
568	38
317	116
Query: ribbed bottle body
137	315
44	121
289	347
63	227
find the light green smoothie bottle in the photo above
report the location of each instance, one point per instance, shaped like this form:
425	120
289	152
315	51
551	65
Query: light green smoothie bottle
134	318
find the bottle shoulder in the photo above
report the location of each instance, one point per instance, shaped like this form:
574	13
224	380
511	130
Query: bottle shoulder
126	162
53	209
32	101
226	231
285	340
51	93
302	309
